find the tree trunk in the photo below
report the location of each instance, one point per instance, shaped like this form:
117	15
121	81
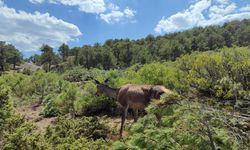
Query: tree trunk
49	67
14	66
2	68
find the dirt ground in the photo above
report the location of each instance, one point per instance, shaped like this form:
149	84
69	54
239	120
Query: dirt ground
31	113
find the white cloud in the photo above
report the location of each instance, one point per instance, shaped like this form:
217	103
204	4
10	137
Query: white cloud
28	31
223	2
116	16
202	13
246	8
108	12
112	6
129	13
113	17
88	6
36	1
221	10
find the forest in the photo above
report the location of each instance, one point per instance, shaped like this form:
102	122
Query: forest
56	106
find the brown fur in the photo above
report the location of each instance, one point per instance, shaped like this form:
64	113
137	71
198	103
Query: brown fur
133	96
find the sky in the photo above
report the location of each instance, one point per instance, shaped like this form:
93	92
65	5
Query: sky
28	24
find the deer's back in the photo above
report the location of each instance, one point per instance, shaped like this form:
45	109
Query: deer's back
133	95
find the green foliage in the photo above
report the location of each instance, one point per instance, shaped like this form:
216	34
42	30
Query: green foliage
48	57
84	143
50	109
6	108
162	74
223	74
9	55
184	125
15	133
123	53
77	74
65	101
90	87
70	133
23	138
194	120
64	51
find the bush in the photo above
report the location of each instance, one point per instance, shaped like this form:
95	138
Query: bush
6	108
76	75
223	74
185	125
23	138
69	130
65	100
84	143
15	132
89	105
49	107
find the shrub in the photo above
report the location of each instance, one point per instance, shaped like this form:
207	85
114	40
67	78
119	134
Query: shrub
69	130
89	105
65	101
76	75
23	138
49	107
185	125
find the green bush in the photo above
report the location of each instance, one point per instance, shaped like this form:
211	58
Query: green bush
209	72
6	108
69	130
23	138
92	105
84	143
65	100
77	74
184	125
15	132
49	107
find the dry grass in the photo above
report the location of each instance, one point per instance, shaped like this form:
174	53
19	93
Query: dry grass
31	113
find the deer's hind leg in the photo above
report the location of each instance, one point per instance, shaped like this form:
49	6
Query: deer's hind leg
123	118
135	114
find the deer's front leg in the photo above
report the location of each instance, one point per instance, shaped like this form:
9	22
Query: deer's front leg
124	115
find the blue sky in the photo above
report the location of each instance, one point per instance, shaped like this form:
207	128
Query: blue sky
28	24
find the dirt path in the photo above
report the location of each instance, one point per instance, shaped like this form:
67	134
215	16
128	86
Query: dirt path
114	123
31	113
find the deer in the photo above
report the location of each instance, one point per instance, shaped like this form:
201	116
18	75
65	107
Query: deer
132	96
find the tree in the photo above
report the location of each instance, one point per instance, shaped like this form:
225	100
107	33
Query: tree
47	57
64	51
228	38
14	56
36	59
2	55
244	36
8	55
86	56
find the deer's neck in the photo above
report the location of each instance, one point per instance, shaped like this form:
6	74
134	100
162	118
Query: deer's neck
110	92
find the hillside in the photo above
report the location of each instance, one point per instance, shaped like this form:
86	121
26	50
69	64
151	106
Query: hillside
60	106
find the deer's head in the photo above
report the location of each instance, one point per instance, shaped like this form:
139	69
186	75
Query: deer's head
155	91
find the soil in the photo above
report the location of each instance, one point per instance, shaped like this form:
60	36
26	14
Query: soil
31	113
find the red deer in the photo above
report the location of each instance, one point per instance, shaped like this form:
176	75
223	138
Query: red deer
133	96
